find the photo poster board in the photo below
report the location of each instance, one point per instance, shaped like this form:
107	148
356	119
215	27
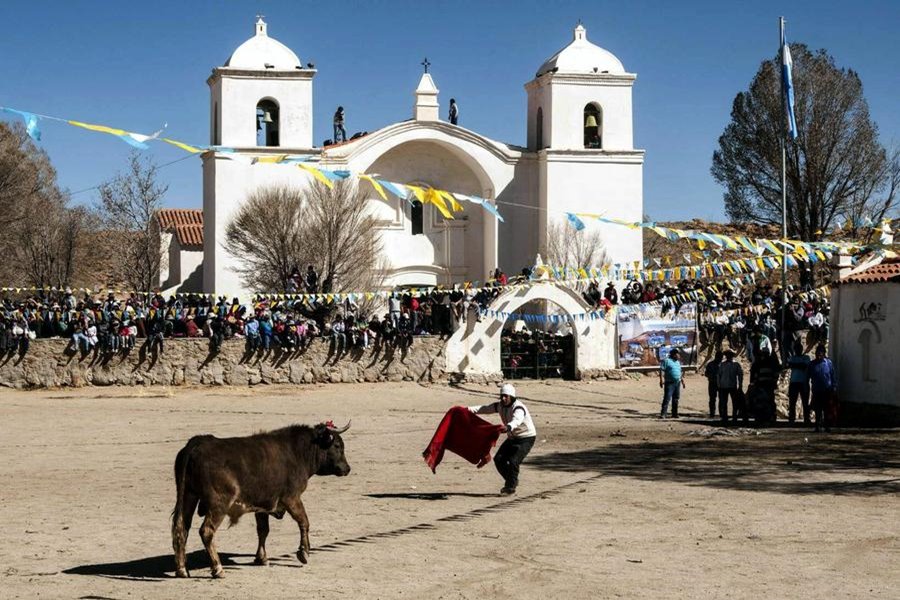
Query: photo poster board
646	335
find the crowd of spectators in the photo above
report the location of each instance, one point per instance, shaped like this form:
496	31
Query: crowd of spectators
116	325
734	315
112	325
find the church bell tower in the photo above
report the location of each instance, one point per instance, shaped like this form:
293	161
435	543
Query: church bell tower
262	96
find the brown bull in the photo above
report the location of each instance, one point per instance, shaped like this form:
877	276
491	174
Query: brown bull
264	473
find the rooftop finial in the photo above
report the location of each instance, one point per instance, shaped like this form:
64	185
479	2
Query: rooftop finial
580	32
425	64
260	25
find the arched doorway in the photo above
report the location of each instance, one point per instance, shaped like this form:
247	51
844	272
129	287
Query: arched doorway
538	341
423	247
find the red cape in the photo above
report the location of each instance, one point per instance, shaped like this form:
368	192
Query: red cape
463	433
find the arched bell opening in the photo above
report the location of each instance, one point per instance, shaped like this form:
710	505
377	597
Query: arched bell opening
267	121
593	126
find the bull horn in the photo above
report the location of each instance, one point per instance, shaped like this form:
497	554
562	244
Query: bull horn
336	430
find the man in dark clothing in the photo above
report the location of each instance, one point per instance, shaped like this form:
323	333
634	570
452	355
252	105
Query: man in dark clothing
712	384
611	294
454	112
339	125
823	383
799	383
217	333
764	376
730	379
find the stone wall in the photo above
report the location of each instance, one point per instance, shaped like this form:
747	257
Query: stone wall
52	363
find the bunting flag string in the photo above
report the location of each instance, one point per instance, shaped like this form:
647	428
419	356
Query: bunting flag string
748	268
500	315
444	201
441	198
757	246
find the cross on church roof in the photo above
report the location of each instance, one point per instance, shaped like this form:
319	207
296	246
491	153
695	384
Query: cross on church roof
425	64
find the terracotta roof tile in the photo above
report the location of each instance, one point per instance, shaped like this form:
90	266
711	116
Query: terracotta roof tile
888	270
190	236
169	218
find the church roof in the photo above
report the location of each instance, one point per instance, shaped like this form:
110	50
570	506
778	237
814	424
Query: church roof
185	223
263	52
581	56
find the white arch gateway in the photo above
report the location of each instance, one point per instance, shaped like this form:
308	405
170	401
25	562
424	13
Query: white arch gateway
475	348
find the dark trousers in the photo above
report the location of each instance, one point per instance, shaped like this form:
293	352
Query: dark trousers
509	456
795	390
737	403
713	390
820	406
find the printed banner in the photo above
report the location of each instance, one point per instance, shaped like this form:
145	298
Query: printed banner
648	334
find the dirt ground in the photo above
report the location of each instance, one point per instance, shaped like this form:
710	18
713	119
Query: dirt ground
612	503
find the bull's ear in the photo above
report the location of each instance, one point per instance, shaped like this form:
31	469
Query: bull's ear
324	438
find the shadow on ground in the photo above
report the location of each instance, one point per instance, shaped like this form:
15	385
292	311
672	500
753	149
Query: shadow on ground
865	462
430	495
155	568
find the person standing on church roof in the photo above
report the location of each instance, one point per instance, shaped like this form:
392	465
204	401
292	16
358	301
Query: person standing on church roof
339	125
454	112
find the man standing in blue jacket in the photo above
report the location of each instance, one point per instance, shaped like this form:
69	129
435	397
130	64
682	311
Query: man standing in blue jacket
823	384
671	380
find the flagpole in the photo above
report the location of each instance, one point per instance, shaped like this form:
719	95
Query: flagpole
783	193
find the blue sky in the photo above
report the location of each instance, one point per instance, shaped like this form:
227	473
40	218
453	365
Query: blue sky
138	65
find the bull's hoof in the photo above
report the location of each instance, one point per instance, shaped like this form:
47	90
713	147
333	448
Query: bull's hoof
303	555
260	561
182	573
218	573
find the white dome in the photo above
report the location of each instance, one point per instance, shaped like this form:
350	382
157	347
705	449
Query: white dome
581	56
262	52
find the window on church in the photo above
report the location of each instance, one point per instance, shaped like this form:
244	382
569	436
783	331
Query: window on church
539	129
417	217
267	123
593	126
215	131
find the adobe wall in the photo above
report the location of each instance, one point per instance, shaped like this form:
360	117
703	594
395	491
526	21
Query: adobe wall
50	363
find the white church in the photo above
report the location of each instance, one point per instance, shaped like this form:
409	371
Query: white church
579	157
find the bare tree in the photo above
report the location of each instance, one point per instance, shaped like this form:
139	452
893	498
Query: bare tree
836	168
128	204
280	228
50	248
568	248
267	233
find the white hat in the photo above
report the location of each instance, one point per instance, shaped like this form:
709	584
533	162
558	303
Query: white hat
508	390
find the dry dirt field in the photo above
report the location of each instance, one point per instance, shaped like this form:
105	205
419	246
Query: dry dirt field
613	503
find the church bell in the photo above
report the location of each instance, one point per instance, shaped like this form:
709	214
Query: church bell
591	121
267	117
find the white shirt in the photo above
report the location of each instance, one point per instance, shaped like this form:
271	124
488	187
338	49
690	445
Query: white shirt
515	416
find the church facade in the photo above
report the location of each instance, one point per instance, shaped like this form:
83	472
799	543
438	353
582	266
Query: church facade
579	157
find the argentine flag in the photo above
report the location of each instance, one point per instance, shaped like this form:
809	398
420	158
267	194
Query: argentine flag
787	86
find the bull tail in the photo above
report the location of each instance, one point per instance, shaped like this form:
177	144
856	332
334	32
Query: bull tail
179	531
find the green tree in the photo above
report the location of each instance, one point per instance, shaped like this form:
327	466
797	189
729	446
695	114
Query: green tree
837	169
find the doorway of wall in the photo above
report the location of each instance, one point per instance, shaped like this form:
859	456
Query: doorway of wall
538	343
